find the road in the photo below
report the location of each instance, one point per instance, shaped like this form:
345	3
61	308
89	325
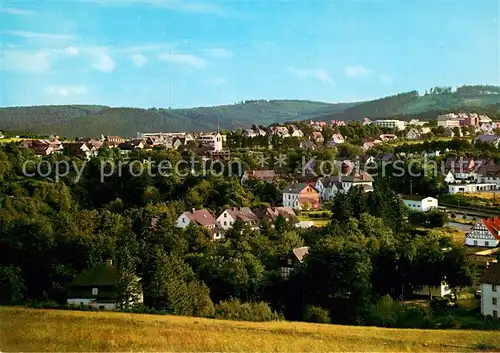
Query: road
463	227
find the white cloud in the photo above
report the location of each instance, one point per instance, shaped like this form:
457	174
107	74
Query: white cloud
71	51
26	60
101	60
20	12
184	59
138	59
65	91
317	74
386	79
218	53
40	35
357	71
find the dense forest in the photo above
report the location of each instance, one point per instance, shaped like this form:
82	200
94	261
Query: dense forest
363	262
75	121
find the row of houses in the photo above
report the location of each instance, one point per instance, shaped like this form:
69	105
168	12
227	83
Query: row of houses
226	220
462	119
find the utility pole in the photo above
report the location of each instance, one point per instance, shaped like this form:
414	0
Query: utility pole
411	187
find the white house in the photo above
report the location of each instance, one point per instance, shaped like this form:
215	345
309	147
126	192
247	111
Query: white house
300	194
336	139
391	124
486	233
1	135
231	215
413	134
211	140
420	203
249	133
362	179
449	178
471	188
297	133
201	218
328	187
490	291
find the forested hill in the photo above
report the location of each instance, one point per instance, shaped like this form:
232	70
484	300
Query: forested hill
82	120
71	120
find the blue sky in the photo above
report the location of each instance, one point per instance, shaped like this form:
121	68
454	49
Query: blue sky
196	53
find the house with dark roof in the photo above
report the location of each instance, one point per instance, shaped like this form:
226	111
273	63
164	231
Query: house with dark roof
493	139
490	290
300	196
295	257
357	178
243	214
271	214
485	233
97	287
328	187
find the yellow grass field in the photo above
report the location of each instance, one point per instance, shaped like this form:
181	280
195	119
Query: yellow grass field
31	330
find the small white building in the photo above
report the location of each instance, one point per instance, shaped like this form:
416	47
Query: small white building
420	203
211	140
471	187
435	291
490	291
390	123
413	134
485	233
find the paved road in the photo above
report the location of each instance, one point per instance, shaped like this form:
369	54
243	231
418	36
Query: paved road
464	227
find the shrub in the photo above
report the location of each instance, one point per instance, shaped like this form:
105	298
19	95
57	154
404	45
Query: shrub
235	310
316	314
385	312
448	322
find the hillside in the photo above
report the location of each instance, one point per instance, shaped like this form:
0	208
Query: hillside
79	120
100	331
96	120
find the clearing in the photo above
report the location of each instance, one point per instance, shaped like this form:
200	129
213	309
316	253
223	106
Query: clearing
39	330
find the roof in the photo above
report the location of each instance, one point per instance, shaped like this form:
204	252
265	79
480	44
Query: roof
262	174
244	214
493	226
100	275
358	177
488	138
296	188
301	252
489	170
200	217
414	197
492	274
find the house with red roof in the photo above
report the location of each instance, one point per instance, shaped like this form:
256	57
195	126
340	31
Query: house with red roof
485	233
231	215
201	218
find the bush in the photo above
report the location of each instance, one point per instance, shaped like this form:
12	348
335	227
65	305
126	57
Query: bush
235	310
385	312
448	322
316	314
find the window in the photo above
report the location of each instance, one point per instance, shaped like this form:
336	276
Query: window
289	261
183	220
494	301
101	307
95	291
475	242
494	287
495	314
225	223
486	243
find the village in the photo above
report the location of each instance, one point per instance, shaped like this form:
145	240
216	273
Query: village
309	195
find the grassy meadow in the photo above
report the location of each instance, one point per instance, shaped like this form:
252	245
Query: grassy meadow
38	330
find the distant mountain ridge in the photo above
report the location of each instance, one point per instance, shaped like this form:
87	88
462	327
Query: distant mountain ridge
93	120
